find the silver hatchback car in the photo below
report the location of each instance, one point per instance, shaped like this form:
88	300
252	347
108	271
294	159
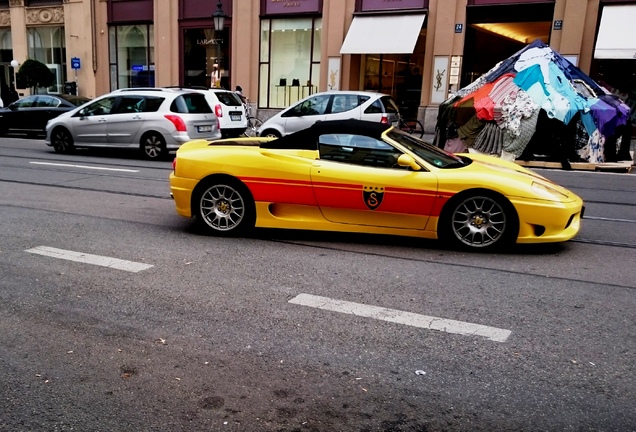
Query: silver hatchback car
332	105
155	120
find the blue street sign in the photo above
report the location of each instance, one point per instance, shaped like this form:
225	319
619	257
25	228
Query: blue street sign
75	63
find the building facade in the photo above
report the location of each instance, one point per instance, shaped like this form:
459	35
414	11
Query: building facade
280	51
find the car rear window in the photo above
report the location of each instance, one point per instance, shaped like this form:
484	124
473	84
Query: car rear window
389	105
374	108
383	105
191	103
228	98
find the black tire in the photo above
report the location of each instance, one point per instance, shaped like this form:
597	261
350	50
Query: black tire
224	206
478	220
413	127
62	140
153	146
271	133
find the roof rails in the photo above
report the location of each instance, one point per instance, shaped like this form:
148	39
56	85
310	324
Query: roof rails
194	87
142	89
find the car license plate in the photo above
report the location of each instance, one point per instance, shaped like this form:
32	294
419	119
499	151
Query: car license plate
202	129
235	117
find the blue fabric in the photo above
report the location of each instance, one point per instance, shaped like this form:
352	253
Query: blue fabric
562	85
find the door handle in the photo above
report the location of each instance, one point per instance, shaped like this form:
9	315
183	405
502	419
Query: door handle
102	120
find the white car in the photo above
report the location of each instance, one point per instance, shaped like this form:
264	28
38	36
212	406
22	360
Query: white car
229	111
332	105
155	120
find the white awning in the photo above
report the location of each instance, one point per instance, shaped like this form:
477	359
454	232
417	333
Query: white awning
387	34
617	33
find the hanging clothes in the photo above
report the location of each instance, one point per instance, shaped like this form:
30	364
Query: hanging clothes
469	131
503	88
515	142
490	140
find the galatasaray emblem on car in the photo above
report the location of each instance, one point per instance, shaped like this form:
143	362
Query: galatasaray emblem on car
373	196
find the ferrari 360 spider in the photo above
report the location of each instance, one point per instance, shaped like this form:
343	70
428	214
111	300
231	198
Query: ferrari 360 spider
368	177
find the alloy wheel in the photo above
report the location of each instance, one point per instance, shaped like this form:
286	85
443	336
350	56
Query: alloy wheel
222	208
479	221
62	141
154	146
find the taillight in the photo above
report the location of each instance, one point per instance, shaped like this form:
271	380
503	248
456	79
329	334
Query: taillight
384	119
177	122
218	110
174	165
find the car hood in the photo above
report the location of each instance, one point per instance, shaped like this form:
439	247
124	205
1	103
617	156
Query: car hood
512	179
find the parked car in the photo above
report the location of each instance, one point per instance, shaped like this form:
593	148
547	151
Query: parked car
332	105
31	113
155	120
360	176
229	111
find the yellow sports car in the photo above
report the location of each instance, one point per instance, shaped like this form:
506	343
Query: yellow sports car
359	176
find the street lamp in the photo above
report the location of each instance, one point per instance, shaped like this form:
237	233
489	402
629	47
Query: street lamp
14	65
219	24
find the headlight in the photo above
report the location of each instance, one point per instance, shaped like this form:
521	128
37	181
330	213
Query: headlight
547	191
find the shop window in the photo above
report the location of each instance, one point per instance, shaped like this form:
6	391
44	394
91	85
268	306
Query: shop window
206	58
47	45
132	56
289	60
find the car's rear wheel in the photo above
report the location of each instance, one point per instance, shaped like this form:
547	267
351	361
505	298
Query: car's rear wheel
478	220
153	146
225	206
271	133
62	140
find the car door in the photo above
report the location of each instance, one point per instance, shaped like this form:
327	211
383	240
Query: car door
306	113
125	120
45	108
16	117
345	106
90	124
357	181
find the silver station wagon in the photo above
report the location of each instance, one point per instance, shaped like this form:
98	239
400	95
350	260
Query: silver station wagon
155	120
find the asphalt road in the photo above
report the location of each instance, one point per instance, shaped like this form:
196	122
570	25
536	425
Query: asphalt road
172	330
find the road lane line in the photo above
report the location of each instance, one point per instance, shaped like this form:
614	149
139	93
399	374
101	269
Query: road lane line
85	166
402	317
608	219
99	260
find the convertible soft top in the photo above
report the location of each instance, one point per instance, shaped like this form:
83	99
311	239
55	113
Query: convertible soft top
307	139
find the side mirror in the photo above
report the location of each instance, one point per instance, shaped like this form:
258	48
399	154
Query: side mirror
408	161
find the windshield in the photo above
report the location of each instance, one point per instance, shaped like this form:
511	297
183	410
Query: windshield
431	154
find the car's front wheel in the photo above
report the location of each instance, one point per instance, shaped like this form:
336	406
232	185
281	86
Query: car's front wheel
271	133
478	220
225	207
62	140
153	146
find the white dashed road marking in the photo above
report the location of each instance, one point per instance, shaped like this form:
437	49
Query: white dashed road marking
86	167
401	317
103	261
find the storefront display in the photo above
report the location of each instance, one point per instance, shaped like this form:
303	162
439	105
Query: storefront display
290	53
